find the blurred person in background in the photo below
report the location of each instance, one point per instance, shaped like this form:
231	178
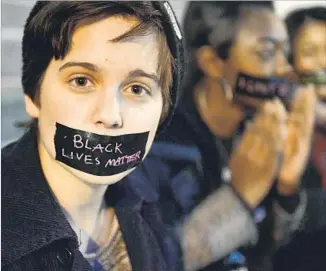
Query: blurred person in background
307	33
230	164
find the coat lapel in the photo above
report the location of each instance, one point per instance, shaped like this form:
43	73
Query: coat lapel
143	249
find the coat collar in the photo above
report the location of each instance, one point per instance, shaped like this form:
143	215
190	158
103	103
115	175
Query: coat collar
32	217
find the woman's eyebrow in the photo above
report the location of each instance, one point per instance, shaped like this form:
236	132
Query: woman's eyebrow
141	73
89	66
95	68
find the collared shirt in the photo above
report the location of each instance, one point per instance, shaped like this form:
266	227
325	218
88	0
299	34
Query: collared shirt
36	234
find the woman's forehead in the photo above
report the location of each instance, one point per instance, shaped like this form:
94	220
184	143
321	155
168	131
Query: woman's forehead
112	26
312	29
253	31
96	43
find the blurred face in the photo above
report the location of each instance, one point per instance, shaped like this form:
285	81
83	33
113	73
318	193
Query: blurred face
309	50
309	57
101	87
260	50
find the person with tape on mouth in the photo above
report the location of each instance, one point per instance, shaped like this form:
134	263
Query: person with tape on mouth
307	31
97	78
230	164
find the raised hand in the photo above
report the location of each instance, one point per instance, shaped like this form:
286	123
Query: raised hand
297	148
255	162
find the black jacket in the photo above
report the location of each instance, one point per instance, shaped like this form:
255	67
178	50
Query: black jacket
37	236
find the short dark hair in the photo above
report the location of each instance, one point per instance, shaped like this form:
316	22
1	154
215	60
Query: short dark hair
50	26
203	18
297	18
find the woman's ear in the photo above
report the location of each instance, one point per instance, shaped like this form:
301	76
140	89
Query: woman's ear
208	61
31	108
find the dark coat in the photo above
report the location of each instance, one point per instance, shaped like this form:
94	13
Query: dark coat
37	236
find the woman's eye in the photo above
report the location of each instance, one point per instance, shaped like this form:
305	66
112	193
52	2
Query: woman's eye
81	82
137	90
266	55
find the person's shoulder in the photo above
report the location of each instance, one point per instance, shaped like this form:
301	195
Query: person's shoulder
179	140
7	149
7	153
10	168
180	130
18	152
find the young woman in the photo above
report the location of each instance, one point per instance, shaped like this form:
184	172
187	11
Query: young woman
97	77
